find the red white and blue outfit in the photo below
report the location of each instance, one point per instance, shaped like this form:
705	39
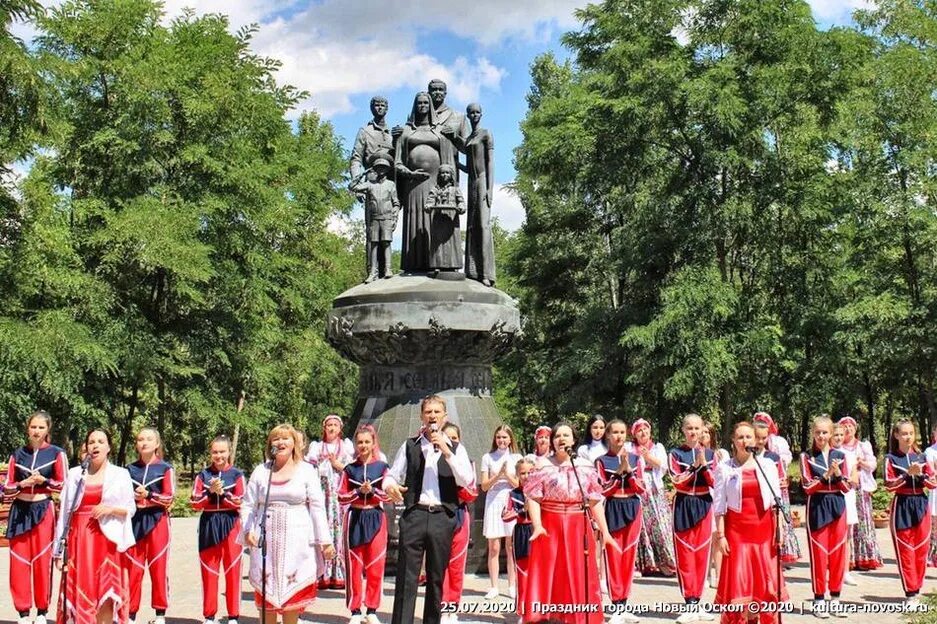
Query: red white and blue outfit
623	517
365	532
910	516
219	529
516	511
31	525
454	578
826	520
692	518
151	533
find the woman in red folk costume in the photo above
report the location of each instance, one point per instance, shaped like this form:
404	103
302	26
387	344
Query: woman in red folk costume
454	579
217	494
825	480
365	526
154	488
329	455
790	549
909	476
34	472
743	500
516	512
96	590
693	470
557	590
621	474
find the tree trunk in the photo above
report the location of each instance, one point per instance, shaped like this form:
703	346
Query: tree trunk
237	426
126	431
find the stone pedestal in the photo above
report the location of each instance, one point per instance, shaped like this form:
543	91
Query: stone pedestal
413	336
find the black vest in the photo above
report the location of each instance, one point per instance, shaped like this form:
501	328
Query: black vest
416	464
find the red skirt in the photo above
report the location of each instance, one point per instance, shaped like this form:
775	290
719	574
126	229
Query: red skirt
556	589
297	602
749	573
95	570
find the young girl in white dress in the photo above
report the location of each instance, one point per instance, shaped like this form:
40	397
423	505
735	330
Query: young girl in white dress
498	479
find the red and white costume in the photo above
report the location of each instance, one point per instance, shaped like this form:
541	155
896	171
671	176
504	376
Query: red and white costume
96	570
692	518
296	529
623	517
749	573
151	533
826	520
555	572
219	528
454	578
31	525
365	532
910	517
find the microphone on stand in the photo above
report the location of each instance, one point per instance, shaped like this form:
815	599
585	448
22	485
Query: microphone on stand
85	462
753	449
274	449
571	452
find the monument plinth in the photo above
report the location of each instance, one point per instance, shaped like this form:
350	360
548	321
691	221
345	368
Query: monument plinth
413	335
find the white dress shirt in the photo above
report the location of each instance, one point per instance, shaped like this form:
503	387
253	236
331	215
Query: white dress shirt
458	462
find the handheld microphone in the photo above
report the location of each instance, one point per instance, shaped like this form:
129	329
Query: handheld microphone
433	427
85	462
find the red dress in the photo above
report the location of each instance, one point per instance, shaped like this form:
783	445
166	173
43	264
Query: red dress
556	590
749	572
95	570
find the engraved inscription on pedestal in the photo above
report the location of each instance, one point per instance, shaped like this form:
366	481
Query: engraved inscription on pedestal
395	380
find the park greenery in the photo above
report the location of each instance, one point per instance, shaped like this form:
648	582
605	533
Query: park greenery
729	208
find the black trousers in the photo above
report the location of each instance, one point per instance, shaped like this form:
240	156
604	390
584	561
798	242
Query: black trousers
421	531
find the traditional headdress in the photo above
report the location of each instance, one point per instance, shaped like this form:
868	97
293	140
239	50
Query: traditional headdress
765	417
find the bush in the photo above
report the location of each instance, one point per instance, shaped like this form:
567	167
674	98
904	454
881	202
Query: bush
926	617
180	504
881	498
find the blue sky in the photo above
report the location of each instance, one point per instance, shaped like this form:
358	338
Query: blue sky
344	51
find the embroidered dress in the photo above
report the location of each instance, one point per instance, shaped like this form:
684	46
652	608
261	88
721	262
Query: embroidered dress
930	453
655	547
866	554
790	548
555	571
296	523
318	456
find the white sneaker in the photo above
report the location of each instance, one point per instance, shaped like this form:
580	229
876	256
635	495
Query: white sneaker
492	593
913	603
703	615
849	579
512	593
159	620
24	620
355	619
820	609
40	619
232	620
208	621
627	617
686	618
836	609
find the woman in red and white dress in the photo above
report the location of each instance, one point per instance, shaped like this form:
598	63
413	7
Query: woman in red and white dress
298	534
909	476
330	455
562	541
790	549
35	471
743	501
97	588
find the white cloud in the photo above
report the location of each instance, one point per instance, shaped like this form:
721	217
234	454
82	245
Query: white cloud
507	207
836	10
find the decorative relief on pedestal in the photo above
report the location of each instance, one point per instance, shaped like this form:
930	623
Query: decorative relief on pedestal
401	345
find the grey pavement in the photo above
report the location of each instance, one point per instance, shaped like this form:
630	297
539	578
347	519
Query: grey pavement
882	587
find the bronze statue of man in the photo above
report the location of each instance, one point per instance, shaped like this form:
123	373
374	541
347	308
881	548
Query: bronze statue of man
450	123
373	139
479	149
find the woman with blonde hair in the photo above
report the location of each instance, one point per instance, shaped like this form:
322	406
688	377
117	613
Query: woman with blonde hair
298	536
154	486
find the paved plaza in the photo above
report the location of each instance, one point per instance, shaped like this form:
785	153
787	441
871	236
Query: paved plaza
882	586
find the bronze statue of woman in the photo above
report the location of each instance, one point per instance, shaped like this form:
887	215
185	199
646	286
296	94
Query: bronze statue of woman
421	148
479	248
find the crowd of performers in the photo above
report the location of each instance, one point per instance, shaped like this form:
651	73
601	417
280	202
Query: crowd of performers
575	525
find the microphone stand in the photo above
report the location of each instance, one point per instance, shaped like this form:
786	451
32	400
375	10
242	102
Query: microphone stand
588	521
778	510
263	547
70	513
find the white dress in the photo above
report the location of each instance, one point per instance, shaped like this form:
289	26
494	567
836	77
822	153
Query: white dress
592	451
296	522
496	498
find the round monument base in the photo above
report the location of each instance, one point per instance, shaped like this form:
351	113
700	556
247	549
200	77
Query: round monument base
414	336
